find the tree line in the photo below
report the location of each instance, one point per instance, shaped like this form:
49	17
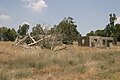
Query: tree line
67	28
110	30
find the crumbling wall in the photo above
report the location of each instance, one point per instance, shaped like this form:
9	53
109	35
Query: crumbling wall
83	41
96	41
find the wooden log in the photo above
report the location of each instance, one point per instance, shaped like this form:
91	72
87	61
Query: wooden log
39	40
31	38
57	48
21	41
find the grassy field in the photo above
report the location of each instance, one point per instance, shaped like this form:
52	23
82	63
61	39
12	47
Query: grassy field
72	63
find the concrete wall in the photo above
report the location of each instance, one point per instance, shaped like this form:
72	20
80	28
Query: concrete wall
96	41
83	41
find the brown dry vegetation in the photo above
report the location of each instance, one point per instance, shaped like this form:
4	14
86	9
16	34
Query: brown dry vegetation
72	63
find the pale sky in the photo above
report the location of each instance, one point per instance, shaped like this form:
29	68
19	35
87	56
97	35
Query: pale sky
88	14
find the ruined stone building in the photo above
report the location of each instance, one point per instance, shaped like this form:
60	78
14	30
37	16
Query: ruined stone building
96	41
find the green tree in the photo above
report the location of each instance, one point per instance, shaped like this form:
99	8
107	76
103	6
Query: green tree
107	30
2	31
100	33
112	19
7	34
37	30
53	30
68	29
92	33
117	31
110	29
23	29
10	35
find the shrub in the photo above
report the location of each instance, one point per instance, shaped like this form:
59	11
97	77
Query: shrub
22	74
80	69
3	76
40	65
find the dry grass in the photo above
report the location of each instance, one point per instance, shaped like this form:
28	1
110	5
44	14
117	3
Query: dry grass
72	63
